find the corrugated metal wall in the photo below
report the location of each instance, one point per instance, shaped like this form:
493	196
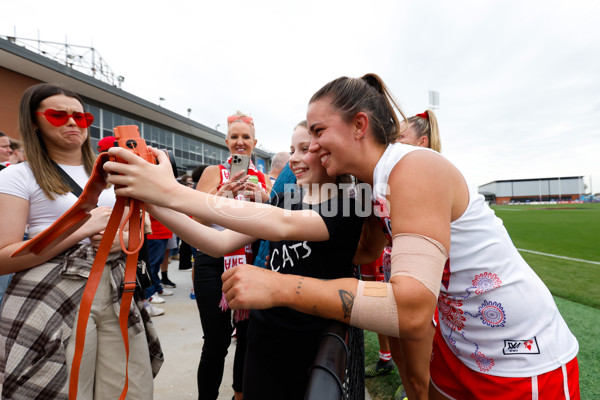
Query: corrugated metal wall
535	187
488	187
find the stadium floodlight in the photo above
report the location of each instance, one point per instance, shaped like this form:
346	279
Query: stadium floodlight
434	99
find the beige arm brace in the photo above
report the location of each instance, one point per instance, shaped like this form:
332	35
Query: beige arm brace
413	255
420	257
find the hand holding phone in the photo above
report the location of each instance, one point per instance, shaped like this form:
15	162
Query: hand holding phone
239	162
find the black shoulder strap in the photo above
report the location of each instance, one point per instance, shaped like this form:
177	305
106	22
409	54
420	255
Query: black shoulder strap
75	188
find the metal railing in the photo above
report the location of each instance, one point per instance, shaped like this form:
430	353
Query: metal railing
338	370
81	58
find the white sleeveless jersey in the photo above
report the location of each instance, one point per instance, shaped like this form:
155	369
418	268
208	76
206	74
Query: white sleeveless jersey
495	313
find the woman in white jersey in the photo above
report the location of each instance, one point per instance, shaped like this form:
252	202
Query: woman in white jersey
500	334
420	130
41	304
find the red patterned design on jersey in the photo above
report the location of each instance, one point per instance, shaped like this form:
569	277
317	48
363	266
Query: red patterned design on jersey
486	282
446	274
484	363
450	310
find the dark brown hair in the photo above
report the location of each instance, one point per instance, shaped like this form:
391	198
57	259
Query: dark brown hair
366	94
40	163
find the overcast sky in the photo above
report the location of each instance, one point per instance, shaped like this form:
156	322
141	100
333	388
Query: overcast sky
519	81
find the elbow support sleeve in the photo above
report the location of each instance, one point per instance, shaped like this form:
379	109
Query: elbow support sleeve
420	257
413	255
375	308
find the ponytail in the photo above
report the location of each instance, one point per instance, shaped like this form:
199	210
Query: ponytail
425	124
367	94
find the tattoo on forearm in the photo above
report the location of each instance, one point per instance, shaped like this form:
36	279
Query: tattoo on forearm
347	302
299	286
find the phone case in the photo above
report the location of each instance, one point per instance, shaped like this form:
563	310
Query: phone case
239	162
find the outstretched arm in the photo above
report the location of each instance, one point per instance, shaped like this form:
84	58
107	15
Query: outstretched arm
259	288
155	184
247	286
438	196
208	240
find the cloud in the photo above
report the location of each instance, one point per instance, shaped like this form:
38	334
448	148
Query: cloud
518	81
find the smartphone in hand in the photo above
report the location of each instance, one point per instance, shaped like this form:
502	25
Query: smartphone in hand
239	162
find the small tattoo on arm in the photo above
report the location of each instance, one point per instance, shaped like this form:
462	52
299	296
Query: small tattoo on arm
315	312
299	286
347	302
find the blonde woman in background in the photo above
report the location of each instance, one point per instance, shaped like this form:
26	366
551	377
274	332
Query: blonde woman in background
215	315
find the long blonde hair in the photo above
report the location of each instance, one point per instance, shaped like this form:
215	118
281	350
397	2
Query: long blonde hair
39	161
427	127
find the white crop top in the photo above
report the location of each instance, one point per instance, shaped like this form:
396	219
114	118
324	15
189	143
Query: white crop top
18	180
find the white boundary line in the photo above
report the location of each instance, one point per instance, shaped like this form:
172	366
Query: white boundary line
564	258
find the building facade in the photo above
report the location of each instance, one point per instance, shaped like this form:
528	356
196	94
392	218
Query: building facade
192	143
529	190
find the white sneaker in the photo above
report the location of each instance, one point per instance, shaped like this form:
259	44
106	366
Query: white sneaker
166	292
153	311
156	299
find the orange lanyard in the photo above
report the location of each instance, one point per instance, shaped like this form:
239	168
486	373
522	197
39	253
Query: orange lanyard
127	137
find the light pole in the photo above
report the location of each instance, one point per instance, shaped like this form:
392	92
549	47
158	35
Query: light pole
434	99
217	127
189	111
160	100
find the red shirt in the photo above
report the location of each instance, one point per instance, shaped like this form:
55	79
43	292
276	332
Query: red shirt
159	231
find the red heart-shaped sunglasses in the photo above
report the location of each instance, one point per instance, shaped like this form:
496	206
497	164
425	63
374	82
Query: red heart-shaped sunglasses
233	118
59	117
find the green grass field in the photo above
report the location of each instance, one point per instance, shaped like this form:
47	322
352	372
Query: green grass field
570	230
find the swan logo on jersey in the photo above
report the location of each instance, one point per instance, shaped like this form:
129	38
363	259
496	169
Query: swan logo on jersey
527	346
382	212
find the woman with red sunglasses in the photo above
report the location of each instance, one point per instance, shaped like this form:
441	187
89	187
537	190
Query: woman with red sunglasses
40	307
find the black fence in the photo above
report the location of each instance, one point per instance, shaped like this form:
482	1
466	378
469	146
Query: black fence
339	368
